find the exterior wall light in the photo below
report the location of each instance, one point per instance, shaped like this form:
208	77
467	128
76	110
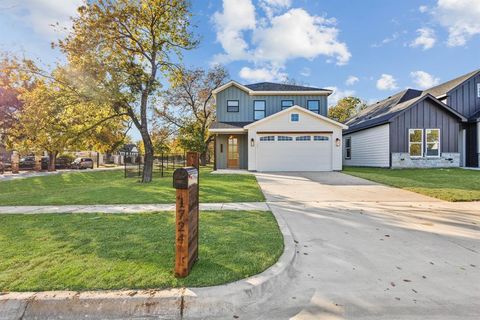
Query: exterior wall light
337	142
252	142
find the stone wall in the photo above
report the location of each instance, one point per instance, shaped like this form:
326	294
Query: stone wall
446	160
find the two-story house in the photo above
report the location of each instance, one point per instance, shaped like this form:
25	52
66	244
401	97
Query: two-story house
275	127
437	127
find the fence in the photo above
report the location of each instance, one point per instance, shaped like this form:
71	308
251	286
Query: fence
163	165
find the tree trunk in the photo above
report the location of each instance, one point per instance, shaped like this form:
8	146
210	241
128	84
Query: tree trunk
203	158
52	158
148	158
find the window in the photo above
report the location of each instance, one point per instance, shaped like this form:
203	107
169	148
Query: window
287	104
320	138
478	90
432	142
294	117
303	138
267	138
258	109
232	106
415	142
348	147
313	105
284	138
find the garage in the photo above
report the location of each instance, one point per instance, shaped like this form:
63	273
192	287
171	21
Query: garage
300	152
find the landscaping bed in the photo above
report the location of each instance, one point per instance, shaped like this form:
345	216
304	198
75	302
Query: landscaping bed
119	251
447	184
110	187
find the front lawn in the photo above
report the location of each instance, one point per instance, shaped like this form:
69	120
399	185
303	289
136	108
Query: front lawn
110	187
447	184
115	251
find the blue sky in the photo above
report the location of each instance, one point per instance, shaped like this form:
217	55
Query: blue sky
370	49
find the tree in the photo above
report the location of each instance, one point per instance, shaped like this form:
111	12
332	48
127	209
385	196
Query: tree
125	47
189	106
346	108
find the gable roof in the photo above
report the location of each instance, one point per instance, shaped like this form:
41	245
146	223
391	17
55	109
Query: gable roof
442	89
270	88
295	107
386	110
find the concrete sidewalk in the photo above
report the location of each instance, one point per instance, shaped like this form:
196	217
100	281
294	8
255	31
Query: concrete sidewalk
128	208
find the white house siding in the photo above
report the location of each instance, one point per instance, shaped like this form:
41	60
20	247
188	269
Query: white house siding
370	147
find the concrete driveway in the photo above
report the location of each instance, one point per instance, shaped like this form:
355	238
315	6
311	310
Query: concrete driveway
367	251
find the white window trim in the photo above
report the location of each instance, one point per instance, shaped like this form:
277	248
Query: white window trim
349	138
422	149
439	143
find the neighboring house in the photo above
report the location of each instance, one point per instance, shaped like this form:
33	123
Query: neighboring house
438	127
275	127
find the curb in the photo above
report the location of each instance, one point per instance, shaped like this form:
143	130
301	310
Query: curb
198	303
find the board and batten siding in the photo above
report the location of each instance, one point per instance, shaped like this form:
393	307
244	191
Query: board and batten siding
424	115
369	147
273	104
221	155
464	98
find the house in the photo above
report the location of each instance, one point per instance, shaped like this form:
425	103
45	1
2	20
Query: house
275	127
437	127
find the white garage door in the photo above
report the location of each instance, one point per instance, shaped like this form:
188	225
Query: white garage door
294	152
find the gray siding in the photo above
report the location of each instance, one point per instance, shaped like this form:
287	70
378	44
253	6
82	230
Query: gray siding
222	156
273	104
464	98
424	115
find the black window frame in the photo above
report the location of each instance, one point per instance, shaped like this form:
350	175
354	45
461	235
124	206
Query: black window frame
308	107
264	109
348	148
281	104
237	107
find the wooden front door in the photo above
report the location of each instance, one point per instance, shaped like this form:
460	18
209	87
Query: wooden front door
233	161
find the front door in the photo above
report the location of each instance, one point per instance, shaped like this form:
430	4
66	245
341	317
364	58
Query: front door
232	153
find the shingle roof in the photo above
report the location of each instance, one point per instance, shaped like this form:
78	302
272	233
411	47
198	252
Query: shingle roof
228	125
444	88
270	86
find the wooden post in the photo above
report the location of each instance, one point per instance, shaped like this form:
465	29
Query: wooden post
185	180
15	162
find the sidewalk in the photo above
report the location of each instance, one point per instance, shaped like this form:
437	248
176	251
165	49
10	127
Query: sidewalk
128	208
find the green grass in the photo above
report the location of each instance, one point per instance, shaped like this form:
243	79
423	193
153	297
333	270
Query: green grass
446	184
110	187
117	251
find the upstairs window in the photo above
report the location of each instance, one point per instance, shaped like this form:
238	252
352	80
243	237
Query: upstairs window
232	106
432	142
294	117
415	142
348	148
287	104
258	109
313	105
303	138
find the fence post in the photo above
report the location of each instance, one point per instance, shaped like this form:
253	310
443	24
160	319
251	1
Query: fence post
125	169
162	165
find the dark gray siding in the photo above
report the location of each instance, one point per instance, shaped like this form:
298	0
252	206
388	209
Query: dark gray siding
273	104
222	139
471	144
464	97
424	115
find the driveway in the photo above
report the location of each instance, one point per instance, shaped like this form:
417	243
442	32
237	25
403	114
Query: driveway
368	251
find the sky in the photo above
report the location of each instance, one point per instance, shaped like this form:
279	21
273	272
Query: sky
370	49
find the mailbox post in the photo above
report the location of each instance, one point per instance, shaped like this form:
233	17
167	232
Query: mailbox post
185	180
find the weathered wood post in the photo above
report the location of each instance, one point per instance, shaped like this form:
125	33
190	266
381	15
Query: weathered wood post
15	162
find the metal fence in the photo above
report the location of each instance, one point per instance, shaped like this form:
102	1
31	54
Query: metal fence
163	165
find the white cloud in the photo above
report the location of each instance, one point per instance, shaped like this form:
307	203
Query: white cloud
351	80
262	74
41	15
306	72
386	40
278	37
338	94
387	82
426	39
423	9
423	79
237	16
460	17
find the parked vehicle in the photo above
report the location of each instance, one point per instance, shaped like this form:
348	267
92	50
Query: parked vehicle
5	166
63	162
28	163
82	163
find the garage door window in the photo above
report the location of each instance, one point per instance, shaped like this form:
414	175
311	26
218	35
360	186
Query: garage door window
284	138
303	138
320	138
267	138
258	109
